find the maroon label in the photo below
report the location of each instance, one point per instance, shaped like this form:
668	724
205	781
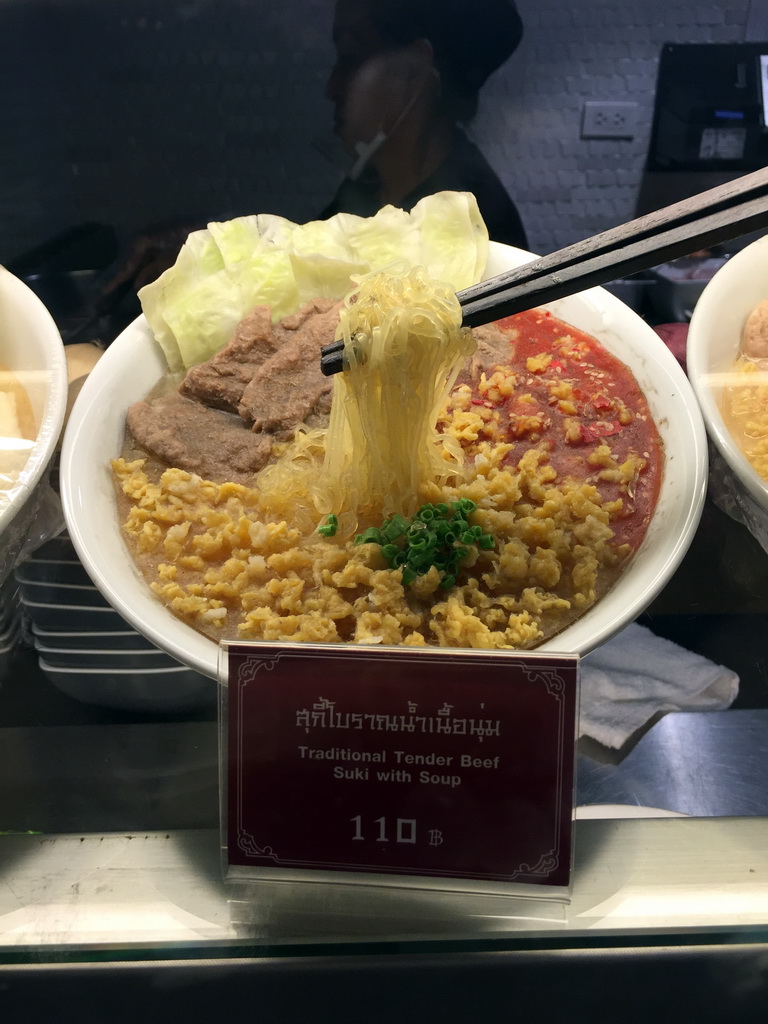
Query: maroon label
420	762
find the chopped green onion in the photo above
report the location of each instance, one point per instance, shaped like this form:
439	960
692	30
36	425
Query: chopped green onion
330	526
395	527
439	535
419	559
371	536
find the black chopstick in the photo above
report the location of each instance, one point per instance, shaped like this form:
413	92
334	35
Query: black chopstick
332	358
731	193
703	220
607	266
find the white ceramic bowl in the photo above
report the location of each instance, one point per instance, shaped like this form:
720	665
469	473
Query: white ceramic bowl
75	618
116	641
31	347
105	660
155	689
133	364
714	336
59	593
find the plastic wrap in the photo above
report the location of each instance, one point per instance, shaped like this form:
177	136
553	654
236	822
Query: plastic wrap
731	496
40	519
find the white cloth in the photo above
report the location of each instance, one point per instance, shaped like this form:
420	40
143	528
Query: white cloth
636	675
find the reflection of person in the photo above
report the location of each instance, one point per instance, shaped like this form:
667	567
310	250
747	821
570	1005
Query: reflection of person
407	77
151	252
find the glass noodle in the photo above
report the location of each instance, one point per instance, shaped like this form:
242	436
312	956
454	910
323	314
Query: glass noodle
404	346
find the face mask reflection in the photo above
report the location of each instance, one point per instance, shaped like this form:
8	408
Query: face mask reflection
365	107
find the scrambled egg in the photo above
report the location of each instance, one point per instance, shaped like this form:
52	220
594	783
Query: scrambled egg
745	407
217	560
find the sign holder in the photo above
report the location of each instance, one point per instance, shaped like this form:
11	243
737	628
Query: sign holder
411	768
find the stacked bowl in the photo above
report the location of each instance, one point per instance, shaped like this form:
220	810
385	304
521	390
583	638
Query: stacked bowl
87	650
10	621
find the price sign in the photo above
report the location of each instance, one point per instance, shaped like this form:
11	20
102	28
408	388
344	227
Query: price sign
453	764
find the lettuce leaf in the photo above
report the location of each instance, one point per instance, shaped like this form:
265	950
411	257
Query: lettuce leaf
256	258
390	235
225	270
199	312
454	238
170	305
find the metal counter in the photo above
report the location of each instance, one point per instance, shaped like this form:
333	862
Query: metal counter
163	776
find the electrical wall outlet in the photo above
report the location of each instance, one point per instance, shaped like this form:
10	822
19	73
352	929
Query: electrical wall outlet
609	120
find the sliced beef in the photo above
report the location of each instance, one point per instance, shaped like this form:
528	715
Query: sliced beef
321	413
289	387
494	348
221	380
267	378
214	444
297	320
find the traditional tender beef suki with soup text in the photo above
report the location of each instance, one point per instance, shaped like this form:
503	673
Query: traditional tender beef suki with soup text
456	488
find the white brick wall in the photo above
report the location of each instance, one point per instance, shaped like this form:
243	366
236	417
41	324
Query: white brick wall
567	187
136	111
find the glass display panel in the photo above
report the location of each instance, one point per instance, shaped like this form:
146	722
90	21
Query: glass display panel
613	445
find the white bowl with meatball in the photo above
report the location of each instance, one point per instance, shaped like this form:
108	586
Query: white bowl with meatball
731	320
134	364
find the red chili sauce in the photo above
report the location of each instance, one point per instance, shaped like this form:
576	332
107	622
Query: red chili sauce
570	396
